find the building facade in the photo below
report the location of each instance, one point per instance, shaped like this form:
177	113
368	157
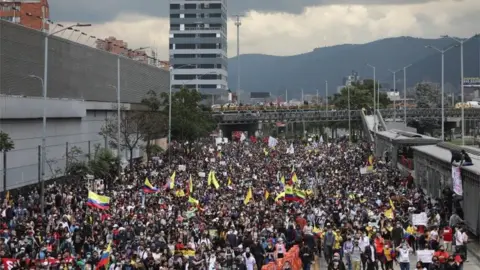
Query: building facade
32	13
198	45
82	95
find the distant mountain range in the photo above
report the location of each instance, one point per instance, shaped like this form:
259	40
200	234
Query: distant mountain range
308	71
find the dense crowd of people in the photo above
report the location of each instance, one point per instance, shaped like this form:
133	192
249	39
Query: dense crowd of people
238	205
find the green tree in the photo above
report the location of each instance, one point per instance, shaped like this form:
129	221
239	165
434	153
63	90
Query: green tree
190	120
361	96
153	121
427	96
102	162
6	145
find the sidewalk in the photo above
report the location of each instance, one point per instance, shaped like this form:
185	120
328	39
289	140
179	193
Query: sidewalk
474	249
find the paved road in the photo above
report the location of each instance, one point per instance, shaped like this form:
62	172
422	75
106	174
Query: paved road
471	264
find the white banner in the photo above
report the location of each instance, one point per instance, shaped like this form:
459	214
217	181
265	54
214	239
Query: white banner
425	256
420	219
457	180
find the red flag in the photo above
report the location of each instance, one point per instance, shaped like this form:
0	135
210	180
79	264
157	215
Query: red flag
9	263
253	139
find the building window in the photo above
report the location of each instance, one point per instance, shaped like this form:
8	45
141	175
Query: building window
216	15
190	6
185	46
182	66
184	35
191	16
215	6
206	66
180	56
207	55
208	35
174	6
207	46
209	77
184	77
174	16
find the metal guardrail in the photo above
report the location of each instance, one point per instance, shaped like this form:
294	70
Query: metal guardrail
298	115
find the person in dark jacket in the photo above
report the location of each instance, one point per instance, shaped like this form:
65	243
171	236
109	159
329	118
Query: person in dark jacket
258	253
397	234
306	254
336	263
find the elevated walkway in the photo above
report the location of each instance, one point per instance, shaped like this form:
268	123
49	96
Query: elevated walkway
368	126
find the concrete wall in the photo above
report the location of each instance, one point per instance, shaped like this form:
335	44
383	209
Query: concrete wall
75	71
23	168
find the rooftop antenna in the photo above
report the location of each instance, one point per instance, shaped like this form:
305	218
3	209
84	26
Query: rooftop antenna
238	23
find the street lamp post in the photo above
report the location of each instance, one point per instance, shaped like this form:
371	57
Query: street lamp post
44	118
349	117
394	91
462	41
326	96
374	99
442	52
405	94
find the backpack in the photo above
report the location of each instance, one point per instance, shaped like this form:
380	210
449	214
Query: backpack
329	239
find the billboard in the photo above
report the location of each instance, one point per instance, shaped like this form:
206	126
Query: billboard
471	82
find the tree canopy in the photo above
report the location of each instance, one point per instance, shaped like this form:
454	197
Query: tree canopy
6	143
427	95
361	96
190	120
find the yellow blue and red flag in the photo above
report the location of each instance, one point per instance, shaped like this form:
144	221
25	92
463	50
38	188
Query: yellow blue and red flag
148	187
98	201
105	258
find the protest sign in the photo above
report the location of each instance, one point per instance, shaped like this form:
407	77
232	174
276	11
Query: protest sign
457	181
425	256
420	219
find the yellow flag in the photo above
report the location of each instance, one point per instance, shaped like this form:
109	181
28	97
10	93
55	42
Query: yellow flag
210	174
190	184
267	194
192	200
180	193
229	183
389	214
294	178
214	181
248	197
391	204
265	151
282	180
172	180
279	196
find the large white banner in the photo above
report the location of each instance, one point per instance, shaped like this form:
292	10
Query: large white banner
420	219
457	180
425	256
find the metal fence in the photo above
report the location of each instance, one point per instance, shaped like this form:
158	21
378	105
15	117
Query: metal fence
75	71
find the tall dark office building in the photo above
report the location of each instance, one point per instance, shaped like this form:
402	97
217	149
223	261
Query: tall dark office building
198	45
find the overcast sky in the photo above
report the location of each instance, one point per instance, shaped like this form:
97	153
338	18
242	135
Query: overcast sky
280	27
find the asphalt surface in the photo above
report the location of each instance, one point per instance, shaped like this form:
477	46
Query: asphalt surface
472	263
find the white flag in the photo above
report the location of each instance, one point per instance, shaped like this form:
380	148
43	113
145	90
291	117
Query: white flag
291	150
321	139
272	142
243	137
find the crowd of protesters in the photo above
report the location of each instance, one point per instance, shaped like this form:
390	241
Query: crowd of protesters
243	220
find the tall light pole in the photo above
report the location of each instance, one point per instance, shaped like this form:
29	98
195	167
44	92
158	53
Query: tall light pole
238	23
405	93
117	90
442	52
326	96
44	118
374	99
394	95
461	41
349	118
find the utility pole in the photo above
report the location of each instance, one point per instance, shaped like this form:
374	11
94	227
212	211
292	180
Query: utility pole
238	23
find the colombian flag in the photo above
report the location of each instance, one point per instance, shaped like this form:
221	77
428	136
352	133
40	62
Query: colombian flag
289	195
148	187
98	201
105	259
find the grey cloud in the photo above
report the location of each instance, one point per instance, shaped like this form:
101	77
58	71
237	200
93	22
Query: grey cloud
95	11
